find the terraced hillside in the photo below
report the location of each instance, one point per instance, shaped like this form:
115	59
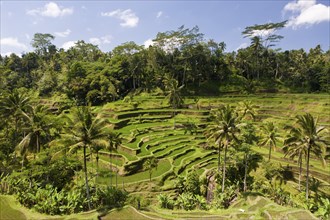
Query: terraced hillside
154	129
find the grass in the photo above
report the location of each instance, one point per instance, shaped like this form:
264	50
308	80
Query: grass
11	210
163	167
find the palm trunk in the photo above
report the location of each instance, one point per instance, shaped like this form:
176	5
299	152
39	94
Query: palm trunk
224	170
219	153
38	145
300	171
110	168
245	172
97	169
307	172
270	152
86	180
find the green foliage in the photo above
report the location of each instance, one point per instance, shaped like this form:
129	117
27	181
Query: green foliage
165	201
224	199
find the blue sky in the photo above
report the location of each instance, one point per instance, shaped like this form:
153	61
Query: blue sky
111	23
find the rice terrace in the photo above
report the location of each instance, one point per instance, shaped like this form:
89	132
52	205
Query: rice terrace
182	126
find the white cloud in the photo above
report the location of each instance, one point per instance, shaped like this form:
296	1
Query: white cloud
101	40
262	33
148	43
51	9
6	54
27	36
95	40
159	14
64	33
12	42
106	39
67	45
127	16
241	46
306	13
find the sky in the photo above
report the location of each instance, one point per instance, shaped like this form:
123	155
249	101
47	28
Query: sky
111	23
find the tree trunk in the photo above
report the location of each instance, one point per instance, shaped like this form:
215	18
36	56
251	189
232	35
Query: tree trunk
86	180
219	153
97	169
38	145
300	171
245	171
224	170
110	168
270	152
307	172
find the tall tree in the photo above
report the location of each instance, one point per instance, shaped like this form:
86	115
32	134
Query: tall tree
85	131
150	164
294	147
269	137
115	141
37	127
42	43
173	92
13	105
224	131
313	138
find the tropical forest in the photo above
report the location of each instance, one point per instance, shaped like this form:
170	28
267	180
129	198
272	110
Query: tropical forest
181	129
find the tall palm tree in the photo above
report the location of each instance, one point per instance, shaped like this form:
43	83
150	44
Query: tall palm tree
12	105
115	141
269	137
224	132
246	108
36	126
149	164
295	147
85	131
312	136
174	92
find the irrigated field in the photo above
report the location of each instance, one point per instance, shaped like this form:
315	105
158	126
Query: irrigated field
153	129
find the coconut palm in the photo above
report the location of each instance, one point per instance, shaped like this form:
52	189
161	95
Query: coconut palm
36	129
149	164
12	105
269	137
246	108
37	124
294	147
85	131
174	92
224	132
313	138
115	141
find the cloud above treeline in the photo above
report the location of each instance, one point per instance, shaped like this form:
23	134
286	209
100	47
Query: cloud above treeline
64	33
12	42
51	9
306	13
128	17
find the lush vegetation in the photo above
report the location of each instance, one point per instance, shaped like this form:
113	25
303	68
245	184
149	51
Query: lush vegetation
180	125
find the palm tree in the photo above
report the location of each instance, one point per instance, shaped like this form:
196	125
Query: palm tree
223	131
37	126
270	137
149	164
313	139
295	147
12	105
246	108
85	131
174	92
115	141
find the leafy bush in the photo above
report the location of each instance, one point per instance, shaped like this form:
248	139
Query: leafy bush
165	201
